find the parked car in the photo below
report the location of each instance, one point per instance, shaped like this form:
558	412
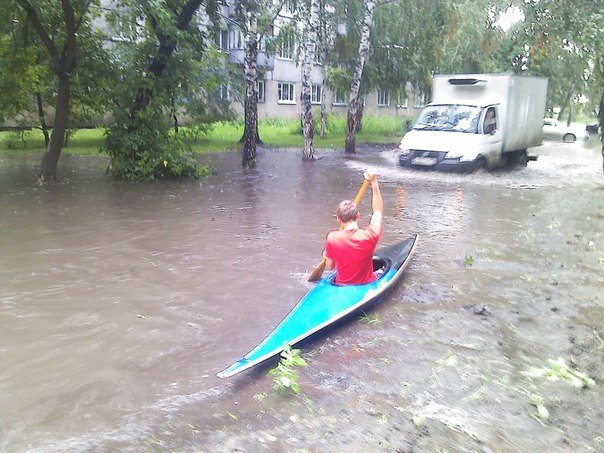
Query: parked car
592	128
555	130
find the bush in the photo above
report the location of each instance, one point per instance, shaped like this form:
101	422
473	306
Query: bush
15	139
146	148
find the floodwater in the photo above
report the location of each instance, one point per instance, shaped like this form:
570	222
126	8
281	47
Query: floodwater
119	302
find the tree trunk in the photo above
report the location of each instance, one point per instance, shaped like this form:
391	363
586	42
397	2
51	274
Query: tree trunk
601	109
167	44
250	131
355	85
42	119
63	63
327	42
306	92
360	111
57	139
323	114
175	123
601	126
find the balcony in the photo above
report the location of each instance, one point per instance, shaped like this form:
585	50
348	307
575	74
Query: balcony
266	62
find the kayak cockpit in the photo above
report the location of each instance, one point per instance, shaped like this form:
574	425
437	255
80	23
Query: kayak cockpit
381	266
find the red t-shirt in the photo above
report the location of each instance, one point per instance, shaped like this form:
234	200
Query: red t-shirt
352	251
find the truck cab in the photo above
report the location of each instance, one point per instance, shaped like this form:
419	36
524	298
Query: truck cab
453	137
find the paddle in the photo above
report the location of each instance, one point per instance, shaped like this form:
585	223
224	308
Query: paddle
318	271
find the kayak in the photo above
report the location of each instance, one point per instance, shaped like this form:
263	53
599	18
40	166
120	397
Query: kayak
328	303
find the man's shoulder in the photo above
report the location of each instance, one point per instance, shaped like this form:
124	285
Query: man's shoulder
334	233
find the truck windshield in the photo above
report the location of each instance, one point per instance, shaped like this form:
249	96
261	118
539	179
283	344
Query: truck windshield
453	118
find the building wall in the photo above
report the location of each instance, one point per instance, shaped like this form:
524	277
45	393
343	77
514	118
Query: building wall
286	71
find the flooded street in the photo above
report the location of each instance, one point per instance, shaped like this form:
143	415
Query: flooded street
119	303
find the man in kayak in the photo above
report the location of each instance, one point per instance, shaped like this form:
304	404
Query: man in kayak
350	249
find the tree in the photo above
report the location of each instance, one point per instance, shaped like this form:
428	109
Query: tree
472	40
306	92
407	41
326	37
161	55
255	20
26	74
251	137
355	85
568	47
58	26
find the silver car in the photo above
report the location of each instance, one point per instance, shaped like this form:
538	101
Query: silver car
555	130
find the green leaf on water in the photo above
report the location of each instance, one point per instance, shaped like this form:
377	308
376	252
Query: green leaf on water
418	420
285	378
559	370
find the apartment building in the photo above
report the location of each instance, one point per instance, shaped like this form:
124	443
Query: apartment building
280	75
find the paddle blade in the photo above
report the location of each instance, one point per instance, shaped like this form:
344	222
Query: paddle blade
317	272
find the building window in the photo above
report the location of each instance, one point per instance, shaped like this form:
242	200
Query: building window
287	7
402	102
383	98
287	93
419	100
317	94
261	88
222	39
236	40
223	92
338	98
287	49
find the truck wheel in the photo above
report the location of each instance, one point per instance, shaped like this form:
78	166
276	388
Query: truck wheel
479	164
519	158
569	138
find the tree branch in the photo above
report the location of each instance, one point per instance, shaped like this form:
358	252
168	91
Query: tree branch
185	16
41	31
69	51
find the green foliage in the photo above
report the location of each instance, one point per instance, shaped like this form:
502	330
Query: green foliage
371	320
32	71
170	75
472	43
567	44
15	139
559	370
539	402
418	420
224	135
146	149
285	378
406	44
338	79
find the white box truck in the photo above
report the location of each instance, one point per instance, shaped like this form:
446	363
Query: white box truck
476	121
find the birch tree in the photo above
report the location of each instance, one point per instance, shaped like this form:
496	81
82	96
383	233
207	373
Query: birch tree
355	85
306	91
255	20
250	132
325	41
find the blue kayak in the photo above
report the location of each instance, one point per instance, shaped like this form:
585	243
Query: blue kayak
328	303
